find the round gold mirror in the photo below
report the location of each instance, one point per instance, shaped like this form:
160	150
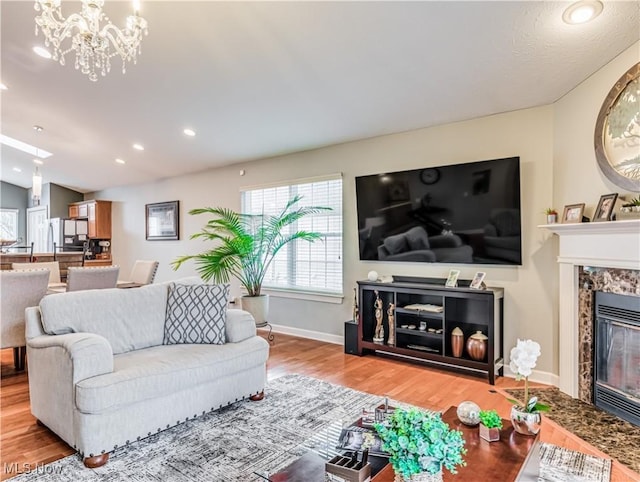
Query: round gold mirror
617	135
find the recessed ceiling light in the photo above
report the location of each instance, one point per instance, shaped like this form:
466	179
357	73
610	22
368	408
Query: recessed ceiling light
189	132
38	162
42	52
17	169
582	11
120	161
3	87
138	147
38	128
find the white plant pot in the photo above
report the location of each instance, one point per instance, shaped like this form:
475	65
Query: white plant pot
552	218
258	306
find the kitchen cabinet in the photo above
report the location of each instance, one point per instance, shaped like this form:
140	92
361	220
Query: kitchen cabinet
98	216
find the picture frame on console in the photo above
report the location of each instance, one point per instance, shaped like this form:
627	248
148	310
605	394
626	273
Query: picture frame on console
162	221
452	280
477	283
572	213
604	211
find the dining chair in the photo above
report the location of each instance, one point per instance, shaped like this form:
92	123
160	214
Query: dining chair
19	290
52	266
92	278
142	273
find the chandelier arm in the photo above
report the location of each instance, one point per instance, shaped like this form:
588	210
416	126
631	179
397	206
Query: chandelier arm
123	43
74	20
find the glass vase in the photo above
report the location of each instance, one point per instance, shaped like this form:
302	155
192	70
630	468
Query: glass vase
525	423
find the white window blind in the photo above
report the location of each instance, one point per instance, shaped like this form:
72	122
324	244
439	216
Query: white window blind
314	267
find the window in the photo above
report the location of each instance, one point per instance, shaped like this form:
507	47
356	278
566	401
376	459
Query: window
300	265
9	224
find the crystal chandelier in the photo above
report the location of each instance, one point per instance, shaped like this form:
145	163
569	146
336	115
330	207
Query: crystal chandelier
94	45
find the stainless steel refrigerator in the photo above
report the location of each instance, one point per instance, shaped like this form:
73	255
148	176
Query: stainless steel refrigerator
67	234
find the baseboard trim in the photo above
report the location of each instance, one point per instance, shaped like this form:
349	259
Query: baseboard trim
537	376
302	333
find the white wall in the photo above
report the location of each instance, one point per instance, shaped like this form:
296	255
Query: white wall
530	289
558	167
577	176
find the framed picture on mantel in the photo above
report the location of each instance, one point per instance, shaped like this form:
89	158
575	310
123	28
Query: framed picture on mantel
162	221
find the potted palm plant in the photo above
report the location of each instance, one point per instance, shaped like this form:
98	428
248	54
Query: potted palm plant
246	245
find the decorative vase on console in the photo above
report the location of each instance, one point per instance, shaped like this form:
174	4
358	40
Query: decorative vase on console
477	346
526	418
457	342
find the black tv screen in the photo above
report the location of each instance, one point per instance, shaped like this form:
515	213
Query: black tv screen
462	213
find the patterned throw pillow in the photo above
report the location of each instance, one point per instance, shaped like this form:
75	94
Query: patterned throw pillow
196	314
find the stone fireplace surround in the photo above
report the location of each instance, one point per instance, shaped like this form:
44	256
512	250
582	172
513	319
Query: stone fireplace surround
601	256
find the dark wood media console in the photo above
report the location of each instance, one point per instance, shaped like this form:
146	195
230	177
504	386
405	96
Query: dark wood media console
470	310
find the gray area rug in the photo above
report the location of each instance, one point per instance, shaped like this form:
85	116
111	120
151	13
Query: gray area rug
298	413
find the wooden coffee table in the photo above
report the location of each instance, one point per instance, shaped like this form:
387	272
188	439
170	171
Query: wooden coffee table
514	457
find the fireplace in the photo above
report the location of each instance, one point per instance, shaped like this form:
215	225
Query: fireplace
612	251
616	373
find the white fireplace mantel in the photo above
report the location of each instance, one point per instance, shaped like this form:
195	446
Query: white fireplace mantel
613	244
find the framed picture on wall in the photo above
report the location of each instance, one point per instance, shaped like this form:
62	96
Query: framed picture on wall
573	213
162	221
605	207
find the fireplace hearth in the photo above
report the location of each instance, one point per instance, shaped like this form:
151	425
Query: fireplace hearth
617	355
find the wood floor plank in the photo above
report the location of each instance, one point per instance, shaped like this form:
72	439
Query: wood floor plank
22	441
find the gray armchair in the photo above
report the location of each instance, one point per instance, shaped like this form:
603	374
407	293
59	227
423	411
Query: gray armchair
416	245
18	291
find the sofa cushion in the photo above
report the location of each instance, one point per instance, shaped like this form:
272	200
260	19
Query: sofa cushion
196	314
129	319
417	238
161	370
396	244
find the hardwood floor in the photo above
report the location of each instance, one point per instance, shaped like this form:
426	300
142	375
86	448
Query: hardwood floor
22	441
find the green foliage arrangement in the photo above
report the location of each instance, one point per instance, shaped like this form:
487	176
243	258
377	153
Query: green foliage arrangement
490	419
633	202
550	211
246	243
420	441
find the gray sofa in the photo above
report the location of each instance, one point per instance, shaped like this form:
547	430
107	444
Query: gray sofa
100	376
416	245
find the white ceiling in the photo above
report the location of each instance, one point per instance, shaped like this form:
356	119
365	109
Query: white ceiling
260	79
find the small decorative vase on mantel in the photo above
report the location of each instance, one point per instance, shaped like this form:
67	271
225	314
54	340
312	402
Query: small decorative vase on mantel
525	423
421	477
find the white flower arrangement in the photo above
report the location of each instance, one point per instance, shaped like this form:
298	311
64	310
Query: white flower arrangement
523	360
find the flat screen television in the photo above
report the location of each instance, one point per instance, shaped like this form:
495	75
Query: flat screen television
461	213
